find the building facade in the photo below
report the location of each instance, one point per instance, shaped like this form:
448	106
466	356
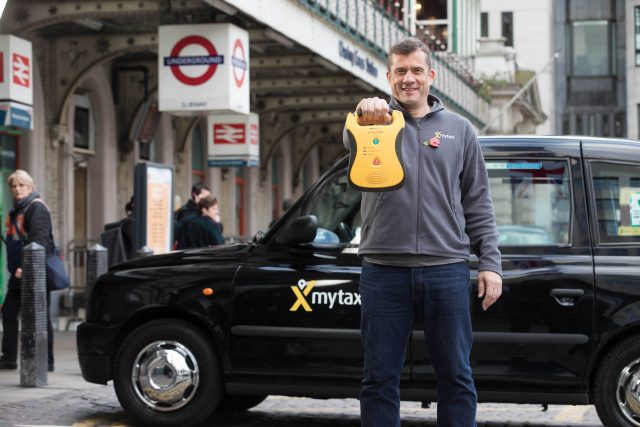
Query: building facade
521	33
591	73
632	43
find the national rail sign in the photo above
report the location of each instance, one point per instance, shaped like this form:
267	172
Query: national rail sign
233	140
203	69
16	72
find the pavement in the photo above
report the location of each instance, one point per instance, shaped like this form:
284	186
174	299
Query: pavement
68	400
65	378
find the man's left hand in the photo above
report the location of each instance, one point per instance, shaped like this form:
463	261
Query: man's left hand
489	287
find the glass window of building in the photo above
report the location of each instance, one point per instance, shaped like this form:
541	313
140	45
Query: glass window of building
507	28
590	48
619	125
636	20
484	24
83	125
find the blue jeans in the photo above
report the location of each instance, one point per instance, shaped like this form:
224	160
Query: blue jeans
389	297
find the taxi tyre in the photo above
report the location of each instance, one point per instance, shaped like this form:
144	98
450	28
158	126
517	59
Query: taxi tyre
189	345
238	403
615	389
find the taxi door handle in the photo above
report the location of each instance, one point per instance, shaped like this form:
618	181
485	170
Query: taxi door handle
566	297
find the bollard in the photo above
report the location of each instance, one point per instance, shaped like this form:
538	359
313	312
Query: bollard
33	317
97	264
144	251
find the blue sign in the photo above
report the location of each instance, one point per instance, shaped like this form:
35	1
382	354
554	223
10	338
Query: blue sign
12	114
356	60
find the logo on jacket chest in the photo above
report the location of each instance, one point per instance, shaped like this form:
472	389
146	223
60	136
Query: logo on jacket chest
435	141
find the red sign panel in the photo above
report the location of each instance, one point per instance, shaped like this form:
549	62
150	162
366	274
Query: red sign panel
253	134
20	67
229	133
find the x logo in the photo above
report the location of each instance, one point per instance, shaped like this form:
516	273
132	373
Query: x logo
301	293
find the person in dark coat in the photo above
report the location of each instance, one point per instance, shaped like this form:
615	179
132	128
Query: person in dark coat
198	191
28	222
187	212
203	230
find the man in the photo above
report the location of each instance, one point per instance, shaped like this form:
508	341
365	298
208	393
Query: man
421	263
198	191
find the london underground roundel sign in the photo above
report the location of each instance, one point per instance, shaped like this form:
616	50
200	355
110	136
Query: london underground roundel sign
211	60
238	63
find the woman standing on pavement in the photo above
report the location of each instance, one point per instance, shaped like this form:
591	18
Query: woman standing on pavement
28	222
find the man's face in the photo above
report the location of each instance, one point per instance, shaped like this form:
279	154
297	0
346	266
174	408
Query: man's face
410	79
203	193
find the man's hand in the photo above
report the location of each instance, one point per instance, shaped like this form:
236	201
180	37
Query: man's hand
373	111
18	273
489	287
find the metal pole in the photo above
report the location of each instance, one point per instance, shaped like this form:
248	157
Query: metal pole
519	93
33	317
97	264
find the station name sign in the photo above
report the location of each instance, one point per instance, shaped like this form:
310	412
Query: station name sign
357	60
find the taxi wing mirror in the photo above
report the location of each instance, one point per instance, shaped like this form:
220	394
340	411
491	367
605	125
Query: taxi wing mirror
300	230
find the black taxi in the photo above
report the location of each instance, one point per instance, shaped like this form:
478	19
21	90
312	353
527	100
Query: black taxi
188	333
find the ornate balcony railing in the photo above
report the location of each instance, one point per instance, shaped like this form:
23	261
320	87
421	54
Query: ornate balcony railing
370	23
365	20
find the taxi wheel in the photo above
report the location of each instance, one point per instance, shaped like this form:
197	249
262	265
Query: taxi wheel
239	403
616	386
167	374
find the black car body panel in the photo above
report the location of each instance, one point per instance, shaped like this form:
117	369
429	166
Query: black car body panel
284	318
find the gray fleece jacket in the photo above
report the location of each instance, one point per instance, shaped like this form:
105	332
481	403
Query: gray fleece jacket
444	208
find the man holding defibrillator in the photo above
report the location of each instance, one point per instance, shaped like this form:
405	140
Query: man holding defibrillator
416	241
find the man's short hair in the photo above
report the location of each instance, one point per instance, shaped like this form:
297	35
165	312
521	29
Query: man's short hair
197	189
407	46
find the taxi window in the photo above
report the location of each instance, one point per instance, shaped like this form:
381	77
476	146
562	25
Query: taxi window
532	201
337	207
616	188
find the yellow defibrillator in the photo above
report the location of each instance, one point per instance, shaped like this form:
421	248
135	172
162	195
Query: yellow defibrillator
375	163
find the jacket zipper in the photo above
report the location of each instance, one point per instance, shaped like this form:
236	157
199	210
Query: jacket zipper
419	187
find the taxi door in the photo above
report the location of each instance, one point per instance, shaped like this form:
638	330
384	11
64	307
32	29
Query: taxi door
296	308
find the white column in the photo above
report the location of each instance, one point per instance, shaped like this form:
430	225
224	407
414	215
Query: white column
164	140
102	200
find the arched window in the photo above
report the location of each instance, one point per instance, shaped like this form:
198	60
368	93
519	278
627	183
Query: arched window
84	138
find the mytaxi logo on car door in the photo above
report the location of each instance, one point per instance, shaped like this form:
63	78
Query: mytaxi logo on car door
303	293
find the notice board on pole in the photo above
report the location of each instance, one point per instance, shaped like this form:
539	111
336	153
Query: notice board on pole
153	207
